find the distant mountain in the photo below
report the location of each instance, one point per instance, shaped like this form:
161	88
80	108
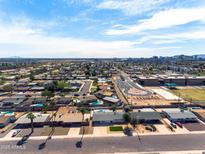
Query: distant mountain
202	56
15	57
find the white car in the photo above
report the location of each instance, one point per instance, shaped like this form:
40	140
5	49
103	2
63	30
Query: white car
16	132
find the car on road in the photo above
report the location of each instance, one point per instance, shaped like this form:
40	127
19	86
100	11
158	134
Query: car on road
76	95
15	132
179	124
173	125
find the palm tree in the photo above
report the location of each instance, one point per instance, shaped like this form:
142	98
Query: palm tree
83	110
114	108
31	116
127	108
45	108
53	104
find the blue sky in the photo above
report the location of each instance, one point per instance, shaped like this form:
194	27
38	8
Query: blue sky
101	28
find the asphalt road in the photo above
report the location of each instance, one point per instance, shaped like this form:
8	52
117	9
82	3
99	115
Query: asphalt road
119	93
85	88
109	145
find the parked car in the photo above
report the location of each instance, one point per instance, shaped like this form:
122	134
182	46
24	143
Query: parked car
179	124
173	125
76	95
16	132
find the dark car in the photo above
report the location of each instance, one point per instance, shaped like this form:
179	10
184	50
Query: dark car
173	125
76	95
179	124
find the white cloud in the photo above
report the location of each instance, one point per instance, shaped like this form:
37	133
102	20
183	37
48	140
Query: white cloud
163	19
79	2
131	7
173	38
28	42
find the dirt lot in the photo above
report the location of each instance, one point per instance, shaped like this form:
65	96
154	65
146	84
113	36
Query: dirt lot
148	101
194	126
145	128
87	130
44	131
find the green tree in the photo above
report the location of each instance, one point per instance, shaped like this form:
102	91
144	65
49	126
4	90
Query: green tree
8	88
31	116
114	108
47	93
127	118
83	111
127	108
31	76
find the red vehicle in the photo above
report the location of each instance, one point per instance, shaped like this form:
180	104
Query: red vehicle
179	124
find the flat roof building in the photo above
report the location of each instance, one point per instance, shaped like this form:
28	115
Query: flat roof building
179	115
177	80
146	115
39	119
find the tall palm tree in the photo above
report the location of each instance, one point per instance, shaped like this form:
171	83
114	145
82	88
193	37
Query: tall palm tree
53	104
83	110
45	108
31	116
114	108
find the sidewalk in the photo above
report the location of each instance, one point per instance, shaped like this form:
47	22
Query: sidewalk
166	152
74	133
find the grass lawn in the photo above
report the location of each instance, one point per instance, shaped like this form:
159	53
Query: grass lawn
115	128
191	94
200	73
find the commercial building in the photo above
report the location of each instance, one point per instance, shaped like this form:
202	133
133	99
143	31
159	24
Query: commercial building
162	80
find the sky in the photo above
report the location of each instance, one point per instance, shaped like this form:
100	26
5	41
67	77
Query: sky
101	28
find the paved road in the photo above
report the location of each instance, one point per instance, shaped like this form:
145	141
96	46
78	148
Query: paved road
86	87
119	93
109	145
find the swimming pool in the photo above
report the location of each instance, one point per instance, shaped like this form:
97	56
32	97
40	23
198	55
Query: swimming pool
7	113
37	105
96	103
102	110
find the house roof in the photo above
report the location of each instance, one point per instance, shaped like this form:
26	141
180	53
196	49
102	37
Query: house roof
40	118
13	100
146	114
4	119
111	99
179	114
68	115
200	112
63	100
107	116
